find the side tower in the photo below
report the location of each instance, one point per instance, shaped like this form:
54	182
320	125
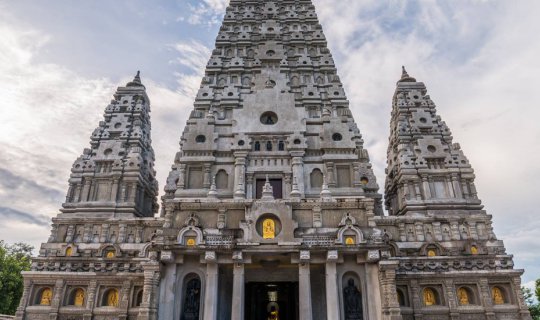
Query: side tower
96	264
271	201
450	264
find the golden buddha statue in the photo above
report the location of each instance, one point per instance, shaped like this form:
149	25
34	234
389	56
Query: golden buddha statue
110	254
474	250
69	252
463	296
269	229
429	297
112	298
431	253
349	240
497	295
190	242
46	296
79	298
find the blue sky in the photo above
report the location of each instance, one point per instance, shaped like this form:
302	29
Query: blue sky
60	62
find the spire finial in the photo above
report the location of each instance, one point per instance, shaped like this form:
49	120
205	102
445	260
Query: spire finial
405	76
404	72
136	82
137	77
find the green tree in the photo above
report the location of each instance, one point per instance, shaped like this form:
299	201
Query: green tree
13	260
534	305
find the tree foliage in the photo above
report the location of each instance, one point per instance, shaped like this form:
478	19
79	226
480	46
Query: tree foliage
532	299
13	260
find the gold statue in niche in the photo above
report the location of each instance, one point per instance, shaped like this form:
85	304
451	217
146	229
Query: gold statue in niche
269	229
190	242
112	298
497	295
69	252
474	250
431	253
429	297
79	298
349	240
110	254
463	296
46	296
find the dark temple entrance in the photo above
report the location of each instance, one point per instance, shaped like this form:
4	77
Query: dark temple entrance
271	300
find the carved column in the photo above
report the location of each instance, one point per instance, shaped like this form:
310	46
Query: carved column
211	288
239	174
332	294
330	179
181	184
86	190
417	300
206	177
304	289
298	169
457	186
425	185
238	297
452	301
390	304
114	189
19	315
249	186
149	304
124	299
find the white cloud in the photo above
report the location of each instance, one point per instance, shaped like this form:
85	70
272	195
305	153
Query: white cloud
209	12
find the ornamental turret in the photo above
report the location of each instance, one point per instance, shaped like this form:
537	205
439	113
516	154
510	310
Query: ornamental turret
426	170
116	174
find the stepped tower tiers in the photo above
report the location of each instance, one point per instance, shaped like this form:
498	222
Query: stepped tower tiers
271	209
116	174
426	172
96	263
450	264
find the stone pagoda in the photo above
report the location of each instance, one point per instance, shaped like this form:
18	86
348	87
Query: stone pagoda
271	209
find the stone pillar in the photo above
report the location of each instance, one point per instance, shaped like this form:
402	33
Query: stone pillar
452	299
206	177
330	178
374	296
298	170
211	287
249	186
85	190
387	276
332	294
239	174
304	290
19	315
181	184
114	189
425	185
457	186
149	305
238	297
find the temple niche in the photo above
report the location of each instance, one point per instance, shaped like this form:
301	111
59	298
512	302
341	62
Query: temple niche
271	209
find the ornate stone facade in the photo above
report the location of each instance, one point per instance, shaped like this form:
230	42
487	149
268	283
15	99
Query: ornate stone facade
271	209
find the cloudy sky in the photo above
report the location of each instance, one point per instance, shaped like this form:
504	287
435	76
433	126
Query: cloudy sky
61	60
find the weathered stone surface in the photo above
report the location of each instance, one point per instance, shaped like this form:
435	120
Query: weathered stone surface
272	188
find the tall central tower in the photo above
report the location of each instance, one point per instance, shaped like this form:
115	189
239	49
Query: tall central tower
267	199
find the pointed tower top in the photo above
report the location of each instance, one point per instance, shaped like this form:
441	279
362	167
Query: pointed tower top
136	82
405	76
